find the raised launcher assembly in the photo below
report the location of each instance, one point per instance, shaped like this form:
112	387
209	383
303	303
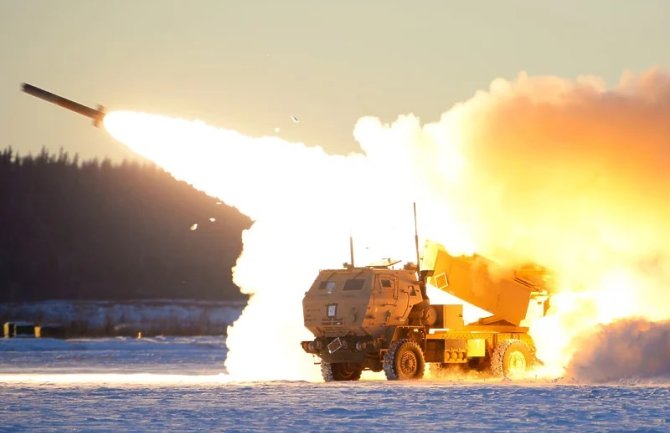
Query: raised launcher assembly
377	318
97	115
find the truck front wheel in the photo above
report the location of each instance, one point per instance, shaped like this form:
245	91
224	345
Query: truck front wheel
404	360
337	371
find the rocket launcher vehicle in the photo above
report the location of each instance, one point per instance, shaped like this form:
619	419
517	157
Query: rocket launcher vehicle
380	319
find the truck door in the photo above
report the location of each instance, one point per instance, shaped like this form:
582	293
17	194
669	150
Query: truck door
387	288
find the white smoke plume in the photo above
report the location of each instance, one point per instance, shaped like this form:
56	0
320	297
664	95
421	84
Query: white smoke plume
568	174
631	349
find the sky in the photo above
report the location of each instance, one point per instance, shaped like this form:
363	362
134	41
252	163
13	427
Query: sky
253	65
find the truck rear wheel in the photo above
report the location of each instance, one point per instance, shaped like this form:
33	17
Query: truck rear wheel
404	361
511	359
338	371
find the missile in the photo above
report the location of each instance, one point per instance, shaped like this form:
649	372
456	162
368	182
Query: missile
96	114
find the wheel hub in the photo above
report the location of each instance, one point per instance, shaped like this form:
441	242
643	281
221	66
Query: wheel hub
347	370
516	363
408	363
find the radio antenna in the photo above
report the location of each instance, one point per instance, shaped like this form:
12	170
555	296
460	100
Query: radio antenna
416	242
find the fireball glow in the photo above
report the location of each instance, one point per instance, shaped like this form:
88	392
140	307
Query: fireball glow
567	174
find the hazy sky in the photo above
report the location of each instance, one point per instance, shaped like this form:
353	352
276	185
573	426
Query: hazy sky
251	65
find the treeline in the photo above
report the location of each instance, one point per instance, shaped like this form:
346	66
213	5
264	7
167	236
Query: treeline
96	230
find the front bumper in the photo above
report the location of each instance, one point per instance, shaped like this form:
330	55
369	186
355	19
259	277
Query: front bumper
343	349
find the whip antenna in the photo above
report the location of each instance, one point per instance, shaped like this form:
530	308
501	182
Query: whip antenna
416	242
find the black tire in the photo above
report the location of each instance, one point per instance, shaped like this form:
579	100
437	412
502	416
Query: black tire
339	371
511	359
404	361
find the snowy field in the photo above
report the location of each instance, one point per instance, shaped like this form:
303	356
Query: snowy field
178	384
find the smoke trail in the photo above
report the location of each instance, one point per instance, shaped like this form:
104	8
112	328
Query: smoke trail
568	174
305	204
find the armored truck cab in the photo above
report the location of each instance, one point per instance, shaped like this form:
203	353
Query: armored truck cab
378	318
360	302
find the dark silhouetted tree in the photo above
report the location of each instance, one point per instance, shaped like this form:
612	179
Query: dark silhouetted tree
96	230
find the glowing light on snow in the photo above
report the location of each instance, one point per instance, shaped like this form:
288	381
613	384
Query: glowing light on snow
568	174
97	379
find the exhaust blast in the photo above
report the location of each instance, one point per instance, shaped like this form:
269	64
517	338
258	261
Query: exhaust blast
568	174
305	204
632	349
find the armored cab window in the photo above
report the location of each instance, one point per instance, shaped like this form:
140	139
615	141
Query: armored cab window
354	284
328	286
388	286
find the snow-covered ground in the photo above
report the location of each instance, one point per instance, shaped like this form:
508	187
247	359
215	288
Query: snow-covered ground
178	384
160	355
